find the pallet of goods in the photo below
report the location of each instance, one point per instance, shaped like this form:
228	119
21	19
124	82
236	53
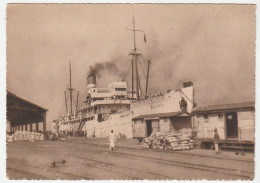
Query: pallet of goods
25	136
168	141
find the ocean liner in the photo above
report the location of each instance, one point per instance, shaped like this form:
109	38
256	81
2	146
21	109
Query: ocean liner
129	111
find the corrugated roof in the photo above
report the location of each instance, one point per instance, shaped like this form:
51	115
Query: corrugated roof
12	94
220	107
160	115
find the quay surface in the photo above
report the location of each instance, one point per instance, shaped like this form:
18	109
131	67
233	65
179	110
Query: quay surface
91	159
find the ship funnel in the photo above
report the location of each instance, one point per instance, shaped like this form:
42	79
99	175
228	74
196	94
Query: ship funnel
91	81
187	84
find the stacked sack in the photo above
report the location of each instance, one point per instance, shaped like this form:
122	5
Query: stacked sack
173	141
25	136
9	138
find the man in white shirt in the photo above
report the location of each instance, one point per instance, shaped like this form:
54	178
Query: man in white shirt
112	139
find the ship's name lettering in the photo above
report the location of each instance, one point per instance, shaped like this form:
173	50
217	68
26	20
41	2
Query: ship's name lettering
156	106
106	115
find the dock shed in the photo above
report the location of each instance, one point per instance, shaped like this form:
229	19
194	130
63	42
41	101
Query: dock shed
235	123
23	115
179	122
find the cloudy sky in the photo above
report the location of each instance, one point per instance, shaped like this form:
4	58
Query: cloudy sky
211	45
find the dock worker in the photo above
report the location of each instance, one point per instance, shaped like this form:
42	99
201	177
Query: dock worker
216	140
112	139
183	104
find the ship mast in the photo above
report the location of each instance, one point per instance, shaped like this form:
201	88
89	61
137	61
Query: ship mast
70	91
135	56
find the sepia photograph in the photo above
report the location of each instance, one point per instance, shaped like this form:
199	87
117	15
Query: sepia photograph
130	91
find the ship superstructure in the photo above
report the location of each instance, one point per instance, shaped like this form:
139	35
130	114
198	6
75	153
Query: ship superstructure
99	105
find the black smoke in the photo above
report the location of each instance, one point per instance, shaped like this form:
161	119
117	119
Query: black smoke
110	71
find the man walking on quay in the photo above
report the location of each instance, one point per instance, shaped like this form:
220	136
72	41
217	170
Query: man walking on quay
216	140
112	139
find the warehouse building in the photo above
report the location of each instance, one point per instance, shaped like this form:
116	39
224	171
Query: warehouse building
178	122
23	115
235	124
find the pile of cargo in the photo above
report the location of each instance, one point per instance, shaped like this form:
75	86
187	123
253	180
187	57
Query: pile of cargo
25	136
168	141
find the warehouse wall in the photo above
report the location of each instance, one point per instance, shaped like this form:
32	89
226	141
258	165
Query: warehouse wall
246	125
180	124
139	128
205	127
165	125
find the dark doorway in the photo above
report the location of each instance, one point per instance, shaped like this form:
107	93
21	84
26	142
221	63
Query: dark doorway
231	125
149	127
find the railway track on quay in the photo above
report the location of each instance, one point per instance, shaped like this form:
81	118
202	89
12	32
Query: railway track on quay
86	160
172	152
43	173
194	166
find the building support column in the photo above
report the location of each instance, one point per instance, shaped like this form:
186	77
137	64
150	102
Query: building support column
22	127
44	125
37	126
11	127
26	128
30	127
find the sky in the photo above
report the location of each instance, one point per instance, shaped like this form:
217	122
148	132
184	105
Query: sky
211	45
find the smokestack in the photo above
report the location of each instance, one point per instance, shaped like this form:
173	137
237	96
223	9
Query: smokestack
91	81
187	84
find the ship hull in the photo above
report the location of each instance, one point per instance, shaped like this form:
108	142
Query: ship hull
144	117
